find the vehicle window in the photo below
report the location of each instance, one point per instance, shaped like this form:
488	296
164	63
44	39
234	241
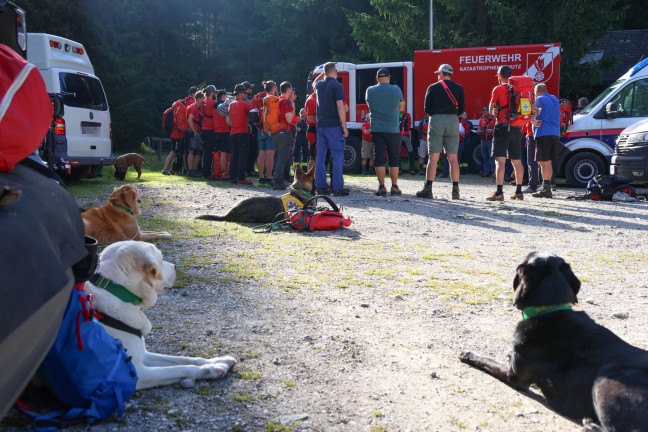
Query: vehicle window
82	91
632	101
367	77
602	96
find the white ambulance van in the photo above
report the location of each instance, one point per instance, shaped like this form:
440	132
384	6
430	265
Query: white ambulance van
596	128
83	136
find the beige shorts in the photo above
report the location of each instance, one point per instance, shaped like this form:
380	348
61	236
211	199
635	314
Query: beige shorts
443	134
367	150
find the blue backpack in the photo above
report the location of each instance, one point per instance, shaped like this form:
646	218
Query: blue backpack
86	368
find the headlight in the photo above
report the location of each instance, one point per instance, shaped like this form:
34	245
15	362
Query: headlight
638	138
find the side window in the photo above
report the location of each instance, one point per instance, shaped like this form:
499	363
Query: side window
640	99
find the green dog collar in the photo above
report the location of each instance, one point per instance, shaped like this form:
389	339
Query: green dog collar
117	290
126	209
532	312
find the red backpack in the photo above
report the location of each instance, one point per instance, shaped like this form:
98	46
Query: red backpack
521	99
566	117
180	121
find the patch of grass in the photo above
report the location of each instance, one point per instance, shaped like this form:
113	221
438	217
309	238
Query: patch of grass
278	427
464	291
377	414
415	272
205	391
290	383
251	354
377	428
435	257
243	397
459	424
249	374
379	272
401	292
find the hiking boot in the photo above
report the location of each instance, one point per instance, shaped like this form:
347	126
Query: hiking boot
455	192
545	192
530	189
323	191
496	197
517	196
365	170
382	191
395	191
341	192
166	172
553	187
426	192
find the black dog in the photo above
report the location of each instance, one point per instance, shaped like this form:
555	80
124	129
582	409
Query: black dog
265	209
583	369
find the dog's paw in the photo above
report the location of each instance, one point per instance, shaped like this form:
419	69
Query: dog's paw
226	360
214	370
165	234
466	356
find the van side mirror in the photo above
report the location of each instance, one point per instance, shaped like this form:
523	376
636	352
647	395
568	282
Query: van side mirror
611	110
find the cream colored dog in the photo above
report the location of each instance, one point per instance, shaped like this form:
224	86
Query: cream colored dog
129	277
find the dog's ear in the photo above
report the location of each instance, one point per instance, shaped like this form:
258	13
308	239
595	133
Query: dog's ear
130	197
520	285
572	279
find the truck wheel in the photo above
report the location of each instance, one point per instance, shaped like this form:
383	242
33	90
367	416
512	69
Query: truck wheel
352	159
582	167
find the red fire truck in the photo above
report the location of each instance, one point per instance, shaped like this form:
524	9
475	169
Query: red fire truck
474	69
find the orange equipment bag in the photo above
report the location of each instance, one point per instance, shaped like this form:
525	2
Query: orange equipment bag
521	99
310	218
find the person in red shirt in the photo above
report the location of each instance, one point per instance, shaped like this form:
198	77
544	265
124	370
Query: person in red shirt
207	130
282	139
506	138
311	133
367	148
177	140
239	136
194	119
221	139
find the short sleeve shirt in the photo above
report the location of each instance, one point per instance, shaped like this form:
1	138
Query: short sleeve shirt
329	91
193	110
501	96
209	111
220	123
238	113
311	108
383	100
549	114
285	107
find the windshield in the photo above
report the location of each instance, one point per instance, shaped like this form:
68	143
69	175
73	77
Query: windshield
83	91
602	96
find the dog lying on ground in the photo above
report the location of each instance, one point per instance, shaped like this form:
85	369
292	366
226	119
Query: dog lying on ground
264	209
124	161
583	369
130	276
116	220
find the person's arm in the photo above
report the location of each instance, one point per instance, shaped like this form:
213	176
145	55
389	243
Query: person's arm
428	101
401	106
192	125
290	114
342	114
461	99
319	78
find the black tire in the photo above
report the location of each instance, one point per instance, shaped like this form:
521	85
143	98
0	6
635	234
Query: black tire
472	153
582	167
352	157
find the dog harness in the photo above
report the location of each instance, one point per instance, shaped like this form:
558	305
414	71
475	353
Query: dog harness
117	290
536	311
291	202
109	321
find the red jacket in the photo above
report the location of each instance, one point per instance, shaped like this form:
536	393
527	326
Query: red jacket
485	127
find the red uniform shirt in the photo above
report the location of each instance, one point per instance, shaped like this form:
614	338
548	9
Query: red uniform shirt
285	106
311	108
194	109
366	131
466	129
220	123
209	113
501	96
486	125
238	114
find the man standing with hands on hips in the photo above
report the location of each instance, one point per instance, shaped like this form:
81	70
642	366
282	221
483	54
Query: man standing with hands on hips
444	101
386	102
331	130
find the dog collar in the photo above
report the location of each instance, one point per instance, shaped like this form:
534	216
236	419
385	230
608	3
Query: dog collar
117	290
532	312
126	209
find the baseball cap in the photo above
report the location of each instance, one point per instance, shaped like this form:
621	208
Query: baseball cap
193	89
382	72
239	88
505	71
248	85
446	69
210	89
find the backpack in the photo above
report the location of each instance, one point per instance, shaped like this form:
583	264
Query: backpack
311	218
566	117
521	99
167	121
271	114
180	115
256	104
86	368
603	187
254	117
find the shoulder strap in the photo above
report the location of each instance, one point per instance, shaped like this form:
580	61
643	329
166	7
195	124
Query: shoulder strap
449	93
309	203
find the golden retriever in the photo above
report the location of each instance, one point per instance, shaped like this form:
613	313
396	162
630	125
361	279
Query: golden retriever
117	219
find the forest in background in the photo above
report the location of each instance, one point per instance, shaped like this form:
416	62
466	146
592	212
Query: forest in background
149	52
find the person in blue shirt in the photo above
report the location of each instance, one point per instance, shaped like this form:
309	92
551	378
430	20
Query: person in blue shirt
546	131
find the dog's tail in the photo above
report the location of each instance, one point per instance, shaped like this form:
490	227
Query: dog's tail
146	163
212	217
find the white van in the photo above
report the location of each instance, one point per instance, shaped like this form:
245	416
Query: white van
83	136
592	137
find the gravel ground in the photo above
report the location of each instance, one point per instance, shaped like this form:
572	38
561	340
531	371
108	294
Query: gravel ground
360	330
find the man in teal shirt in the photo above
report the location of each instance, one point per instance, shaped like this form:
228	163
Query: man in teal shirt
386	102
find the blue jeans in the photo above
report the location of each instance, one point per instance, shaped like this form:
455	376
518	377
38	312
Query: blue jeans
330	139
488	161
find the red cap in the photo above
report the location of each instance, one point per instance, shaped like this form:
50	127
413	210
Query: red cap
25	109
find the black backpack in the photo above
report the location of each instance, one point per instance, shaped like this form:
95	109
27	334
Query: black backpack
167	122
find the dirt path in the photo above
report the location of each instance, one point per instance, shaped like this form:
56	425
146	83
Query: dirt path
360	330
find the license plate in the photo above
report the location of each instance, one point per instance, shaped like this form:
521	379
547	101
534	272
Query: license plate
89	128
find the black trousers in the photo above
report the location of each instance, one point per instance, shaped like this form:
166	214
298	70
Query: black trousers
240	151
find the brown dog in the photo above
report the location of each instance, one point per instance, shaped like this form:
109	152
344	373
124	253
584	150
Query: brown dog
124	161
116	220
